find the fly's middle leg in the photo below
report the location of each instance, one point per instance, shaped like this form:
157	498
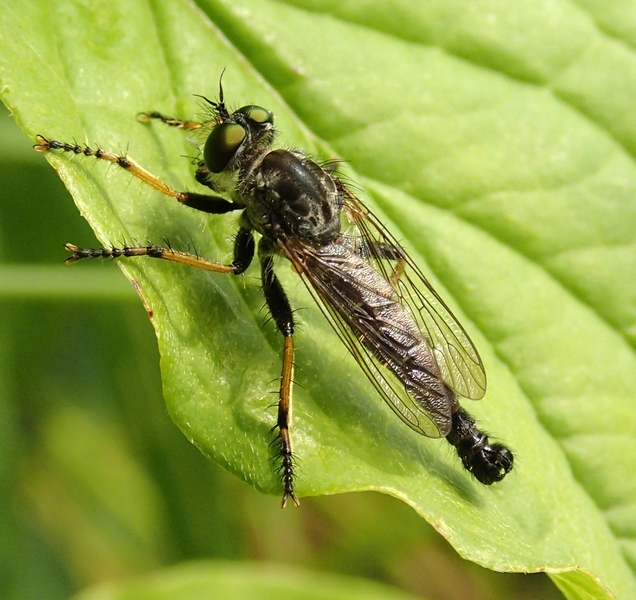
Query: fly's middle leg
243	254
280	308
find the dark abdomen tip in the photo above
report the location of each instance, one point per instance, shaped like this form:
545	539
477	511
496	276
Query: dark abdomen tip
489	463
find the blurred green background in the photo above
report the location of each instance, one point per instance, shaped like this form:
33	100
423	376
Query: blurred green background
96	483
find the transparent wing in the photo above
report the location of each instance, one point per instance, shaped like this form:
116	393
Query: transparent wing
365	311
461	367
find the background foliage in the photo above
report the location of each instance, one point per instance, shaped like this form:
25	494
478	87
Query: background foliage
498	140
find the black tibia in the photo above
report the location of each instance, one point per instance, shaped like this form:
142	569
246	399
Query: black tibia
488	462
243	254
280	308
208	203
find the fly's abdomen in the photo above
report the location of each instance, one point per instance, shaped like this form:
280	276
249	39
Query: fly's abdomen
370	307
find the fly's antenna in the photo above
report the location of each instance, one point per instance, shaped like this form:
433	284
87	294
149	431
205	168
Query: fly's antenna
219	107
221	88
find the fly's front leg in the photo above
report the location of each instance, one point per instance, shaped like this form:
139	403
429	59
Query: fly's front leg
146	117
204	202
280	308
202	175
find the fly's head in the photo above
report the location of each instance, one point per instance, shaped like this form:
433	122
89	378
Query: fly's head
236	141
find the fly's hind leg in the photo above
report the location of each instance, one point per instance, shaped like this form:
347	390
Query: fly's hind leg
383	251
398	271
393	254
280	309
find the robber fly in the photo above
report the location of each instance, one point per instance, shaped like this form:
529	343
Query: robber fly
401	333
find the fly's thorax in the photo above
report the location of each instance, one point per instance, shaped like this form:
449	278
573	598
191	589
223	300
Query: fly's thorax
290	195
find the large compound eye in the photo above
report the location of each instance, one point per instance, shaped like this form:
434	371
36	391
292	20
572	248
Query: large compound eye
258	114
221	145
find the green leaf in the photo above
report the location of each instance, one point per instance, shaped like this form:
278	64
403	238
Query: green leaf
499	141
258	581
